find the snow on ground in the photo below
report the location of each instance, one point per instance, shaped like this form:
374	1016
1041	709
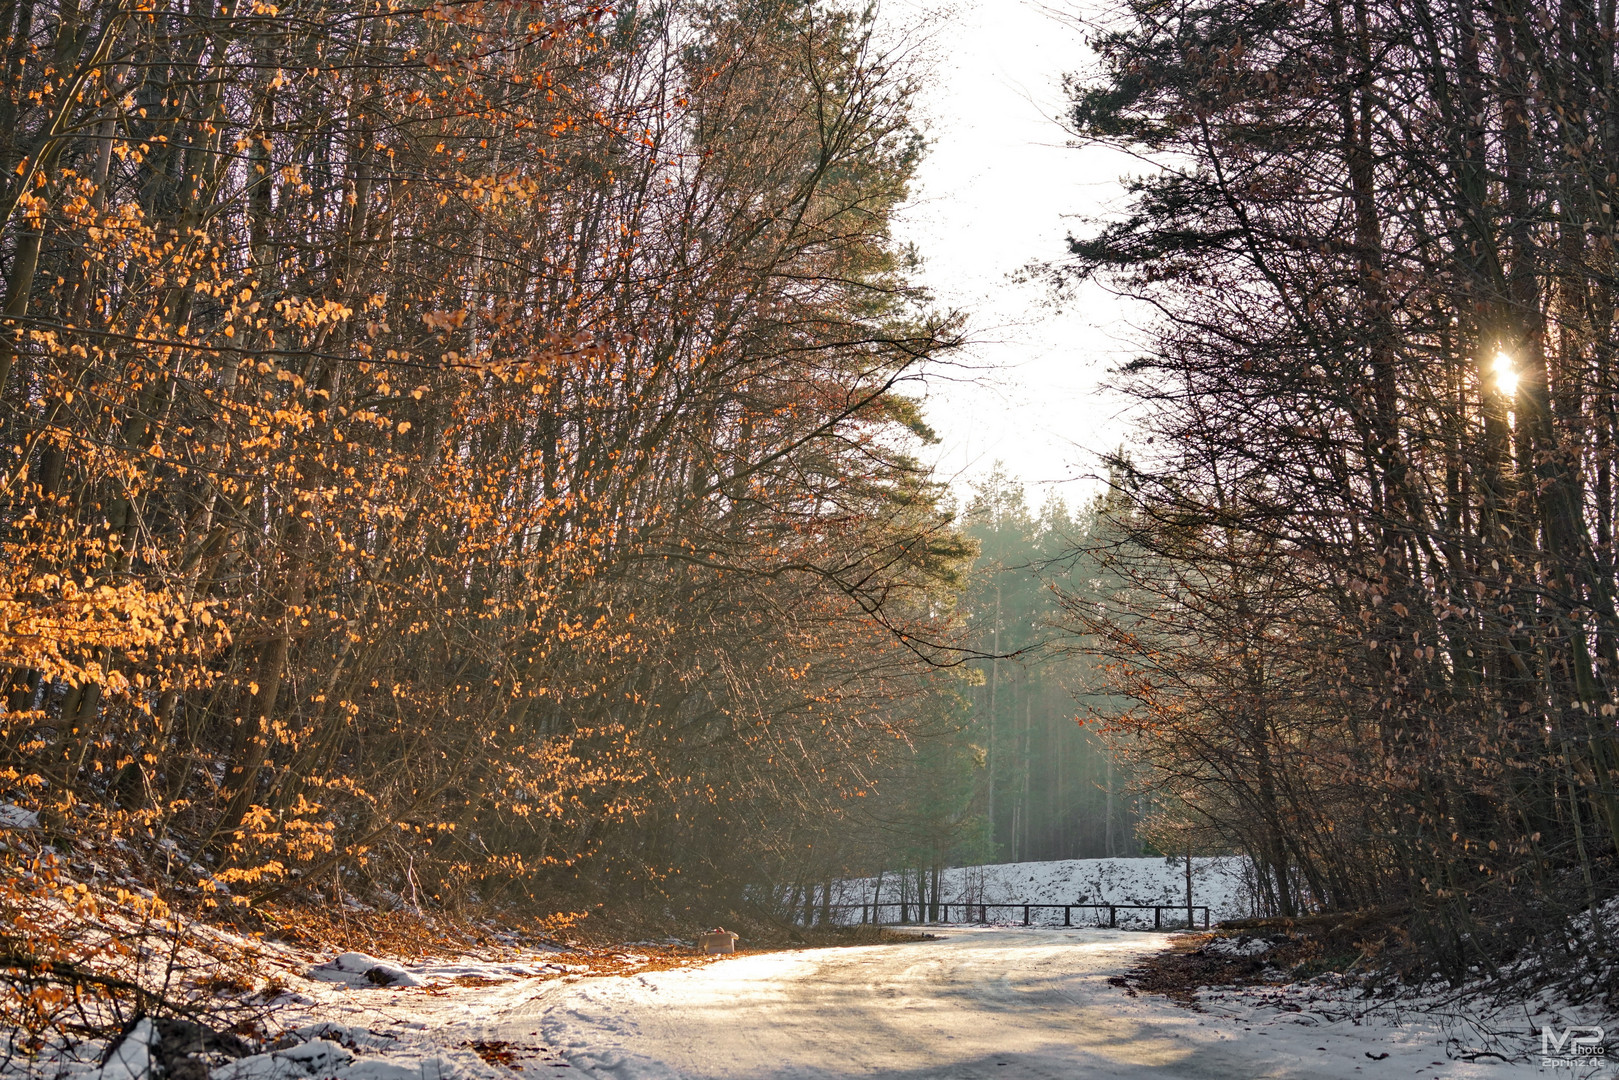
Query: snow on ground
347	1052
353	1017
1220	882
1008	1003
338	1028
15	817
1011	1003
1432	1035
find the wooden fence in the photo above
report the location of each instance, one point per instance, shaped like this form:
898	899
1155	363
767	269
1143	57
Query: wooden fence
979	912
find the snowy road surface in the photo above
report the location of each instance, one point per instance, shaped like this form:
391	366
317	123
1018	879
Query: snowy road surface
1004	1004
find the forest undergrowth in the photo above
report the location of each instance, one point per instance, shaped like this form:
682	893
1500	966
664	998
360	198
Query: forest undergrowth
90	952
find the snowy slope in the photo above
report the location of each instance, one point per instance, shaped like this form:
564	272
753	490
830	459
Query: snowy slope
1219	882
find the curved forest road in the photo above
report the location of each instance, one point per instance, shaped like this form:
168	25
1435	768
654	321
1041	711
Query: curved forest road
1005	1004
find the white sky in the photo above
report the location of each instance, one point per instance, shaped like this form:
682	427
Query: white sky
1001	188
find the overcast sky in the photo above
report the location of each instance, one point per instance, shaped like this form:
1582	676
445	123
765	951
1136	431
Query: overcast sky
1000	188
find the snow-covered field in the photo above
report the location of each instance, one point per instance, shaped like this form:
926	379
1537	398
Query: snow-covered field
1220	882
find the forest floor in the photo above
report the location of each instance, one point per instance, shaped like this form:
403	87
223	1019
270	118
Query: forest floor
1004	1002
338	991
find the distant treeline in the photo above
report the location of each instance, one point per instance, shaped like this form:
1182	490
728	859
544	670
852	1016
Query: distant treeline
1052	788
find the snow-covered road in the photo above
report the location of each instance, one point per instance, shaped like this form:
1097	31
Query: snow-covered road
1001	1003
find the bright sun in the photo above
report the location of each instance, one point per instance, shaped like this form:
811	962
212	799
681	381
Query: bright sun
1506	378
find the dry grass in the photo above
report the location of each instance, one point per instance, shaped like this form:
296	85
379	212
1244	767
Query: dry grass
1300	949
622	941
406	934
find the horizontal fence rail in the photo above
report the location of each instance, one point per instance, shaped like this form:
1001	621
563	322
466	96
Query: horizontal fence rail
977	912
